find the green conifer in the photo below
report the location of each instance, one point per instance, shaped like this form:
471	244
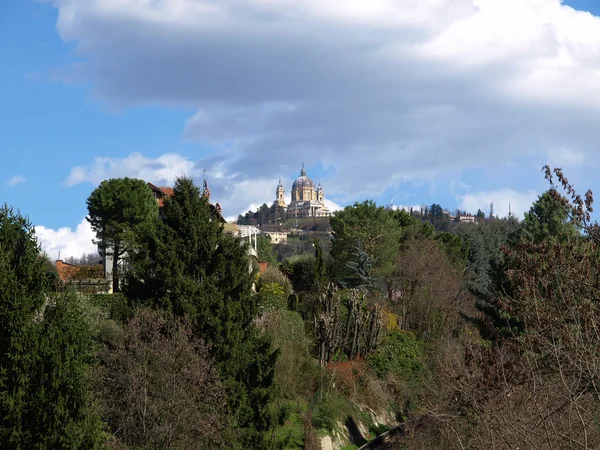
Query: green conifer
44	351
189	266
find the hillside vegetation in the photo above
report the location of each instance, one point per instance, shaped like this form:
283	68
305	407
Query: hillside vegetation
472	335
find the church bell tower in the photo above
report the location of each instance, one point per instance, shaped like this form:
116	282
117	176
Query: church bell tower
280	195
320	194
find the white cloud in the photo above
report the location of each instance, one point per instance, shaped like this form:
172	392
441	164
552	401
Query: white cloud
66	241
14	181
235	192
162	170
408	208
382	91
503	199
333	206
565	156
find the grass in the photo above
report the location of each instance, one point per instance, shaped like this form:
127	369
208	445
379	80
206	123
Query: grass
291	433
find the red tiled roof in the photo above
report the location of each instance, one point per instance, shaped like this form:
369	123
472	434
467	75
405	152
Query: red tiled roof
262	267
168	191
161	192
66	271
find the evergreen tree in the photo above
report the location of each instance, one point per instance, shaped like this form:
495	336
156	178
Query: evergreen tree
359	268
547	221
487	265
378	231
22	295
118	209
266	253
188	265
61	414
44	351
320	267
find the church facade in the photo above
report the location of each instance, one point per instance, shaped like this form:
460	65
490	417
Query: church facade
307	201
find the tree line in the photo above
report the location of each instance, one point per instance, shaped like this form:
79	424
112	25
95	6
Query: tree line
472	335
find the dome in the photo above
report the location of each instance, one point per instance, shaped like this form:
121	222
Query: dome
303	182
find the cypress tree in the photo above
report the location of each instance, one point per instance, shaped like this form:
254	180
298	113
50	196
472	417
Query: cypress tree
44	346
22	296
186	264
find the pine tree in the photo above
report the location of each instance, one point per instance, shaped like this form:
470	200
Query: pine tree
189	266
548	221
119	209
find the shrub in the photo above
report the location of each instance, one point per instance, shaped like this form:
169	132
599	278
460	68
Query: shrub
349	375
114	305
400	354
328	408
274	275
295	370
272	296
159	387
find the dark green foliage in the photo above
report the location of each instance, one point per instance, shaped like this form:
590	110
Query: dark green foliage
321	275
436	216
119	209
358	268
487	265
44	351
412	226
455	248
186	264
264	215
400	354
22	296
115	306
61	415
547	221
377	230
301	271
266	253
51	274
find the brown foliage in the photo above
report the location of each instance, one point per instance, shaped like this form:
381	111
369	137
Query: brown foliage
361	333
538	388
430	291
88	271
159	389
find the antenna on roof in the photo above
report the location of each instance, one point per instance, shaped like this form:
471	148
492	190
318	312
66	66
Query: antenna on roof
204	175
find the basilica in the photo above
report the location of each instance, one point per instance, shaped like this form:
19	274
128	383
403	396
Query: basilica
306	200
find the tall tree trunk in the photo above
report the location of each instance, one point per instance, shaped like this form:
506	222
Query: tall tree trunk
115	269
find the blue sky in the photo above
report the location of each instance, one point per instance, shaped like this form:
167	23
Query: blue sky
457	102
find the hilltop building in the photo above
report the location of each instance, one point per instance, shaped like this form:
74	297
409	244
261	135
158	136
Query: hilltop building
307	201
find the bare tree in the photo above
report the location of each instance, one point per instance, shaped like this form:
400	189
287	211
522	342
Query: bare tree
431	291
159	388
538	387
